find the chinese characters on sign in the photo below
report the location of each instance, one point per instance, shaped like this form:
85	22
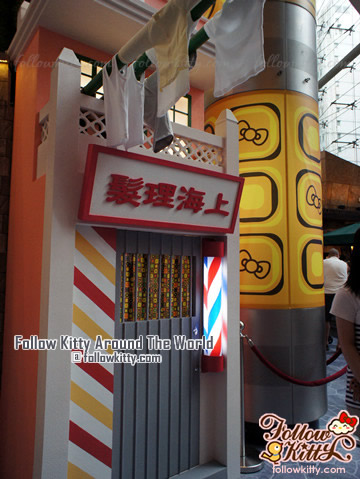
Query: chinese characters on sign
123	189
127	189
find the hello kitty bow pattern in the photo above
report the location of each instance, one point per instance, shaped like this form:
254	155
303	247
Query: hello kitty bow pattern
343	424
351	420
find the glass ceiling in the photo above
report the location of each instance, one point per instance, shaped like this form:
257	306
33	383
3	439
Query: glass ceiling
338	32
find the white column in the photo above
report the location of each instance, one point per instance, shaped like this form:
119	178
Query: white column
227	127
62	191
220	402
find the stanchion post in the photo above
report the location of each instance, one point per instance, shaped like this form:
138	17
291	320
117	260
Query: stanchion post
249	457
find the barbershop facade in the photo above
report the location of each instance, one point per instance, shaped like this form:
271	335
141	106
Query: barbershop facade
116	245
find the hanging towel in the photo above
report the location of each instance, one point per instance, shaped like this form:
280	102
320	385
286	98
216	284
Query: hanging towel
135	99
167	32
169	95
115	111
161	126
124	107
237	32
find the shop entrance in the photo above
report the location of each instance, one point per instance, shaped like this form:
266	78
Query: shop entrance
156	406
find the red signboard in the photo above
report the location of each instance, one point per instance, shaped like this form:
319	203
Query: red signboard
125	188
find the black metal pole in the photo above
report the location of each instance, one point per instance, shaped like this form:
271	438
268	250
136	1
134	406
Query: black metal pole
355	52
249	457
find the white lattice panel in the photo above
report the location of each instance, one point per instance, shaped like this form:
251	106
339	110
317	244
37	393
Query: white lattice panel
92	123
44	129
183	147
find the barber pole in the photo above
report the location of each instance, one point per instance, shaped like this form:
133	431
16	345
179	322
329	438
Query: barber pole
212	304
213	251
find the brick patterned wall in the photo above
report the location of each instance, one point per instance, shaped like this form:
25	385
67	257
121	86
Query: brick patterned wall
6	129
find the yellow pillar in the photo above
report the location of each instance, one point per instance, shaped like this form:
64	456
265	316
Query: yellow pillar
281	244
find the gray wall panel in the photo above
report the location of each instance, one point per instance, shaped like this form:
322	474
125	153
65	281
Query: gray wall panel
141	408
127	455
290	340
152	409
308	329
164	401
176	245
155	243
187	245
131	241
195	399
185	398
143	243
156	413
174	430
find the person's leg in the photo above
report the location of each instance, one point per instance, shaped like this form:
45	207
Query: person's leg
328	302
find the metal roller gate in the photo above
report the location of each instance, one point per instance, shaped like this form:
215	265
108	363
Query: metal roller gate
156	406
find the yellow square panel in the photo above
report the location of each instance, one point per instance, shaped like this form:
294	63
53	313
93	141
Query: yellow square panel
304	202
262	271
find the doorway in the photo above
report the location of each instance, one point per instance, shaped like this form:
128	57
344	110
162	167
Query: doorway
156	406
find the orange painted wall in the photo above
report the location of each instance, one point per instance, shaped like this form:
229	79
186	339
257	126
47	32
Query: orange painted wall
19	378
156	3
197	108
23	282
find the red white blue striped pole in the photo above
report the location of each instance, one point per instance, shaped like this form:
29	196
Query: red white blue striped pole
213	251
212	304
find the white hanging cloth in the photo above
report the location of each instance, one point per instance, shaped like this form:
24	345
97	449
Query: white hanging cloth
237	32
161	126
115	111
124	107
168	95
135	98
167	32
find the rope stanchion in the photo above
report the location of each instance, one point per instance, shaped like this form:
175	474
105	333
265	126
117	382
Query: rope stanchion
249	457
334	356
300	382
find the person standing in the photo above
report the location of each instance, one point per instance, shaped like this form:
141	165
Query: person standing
335	276
346	308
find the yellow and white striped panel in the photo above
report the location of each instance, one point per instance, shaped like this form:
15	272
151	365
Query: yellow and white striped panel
91	398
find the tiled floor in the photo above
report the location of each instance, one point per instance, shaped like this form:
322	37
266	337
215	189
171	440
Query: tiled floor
336	394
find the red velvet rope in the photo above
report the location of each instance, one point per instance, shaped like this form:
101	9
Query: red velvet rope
334	356
319	382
